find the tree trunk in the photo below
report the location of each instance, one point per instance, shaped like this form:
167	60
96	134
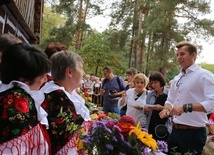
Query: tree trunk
83	23
79	21
139	52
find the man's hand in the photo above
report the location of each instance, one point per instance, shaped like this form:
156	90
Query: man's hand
118	94
177	110
164	113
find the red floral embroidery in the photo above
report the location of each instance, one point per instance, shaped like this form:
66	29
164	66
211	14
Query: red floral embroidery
5	132
8	102
4	114
18	113
22	105
59	120
75	115
59	91
45	104
10	96
63	119
58	106
1	98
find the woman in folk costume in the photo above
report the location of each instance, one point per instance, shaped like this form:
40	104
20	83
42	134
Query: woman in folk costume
23	121
67	113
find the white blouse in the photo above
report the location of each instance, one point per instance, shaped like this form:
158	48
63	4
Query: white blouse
132	101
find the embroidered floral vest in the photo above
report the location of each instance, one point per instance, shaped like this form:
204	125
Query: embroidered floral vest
18	114
62	117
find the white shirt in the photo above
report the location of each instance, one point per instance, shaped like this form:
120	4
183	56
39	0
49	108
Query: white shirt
195	86
138	115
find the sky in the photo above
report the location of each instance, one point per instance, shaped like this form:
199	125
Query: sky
206	56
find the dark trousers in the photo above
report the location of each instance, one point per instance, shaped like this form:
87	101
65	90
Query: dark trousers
123	110
183	141
111	109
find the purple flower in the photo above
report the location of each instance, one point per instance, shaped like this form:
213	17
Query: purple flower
122	153
109	147
144	129
106	135
162	145
146	151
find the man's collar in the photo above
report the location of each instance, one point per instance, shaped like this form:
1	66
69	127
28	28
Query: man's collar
191	68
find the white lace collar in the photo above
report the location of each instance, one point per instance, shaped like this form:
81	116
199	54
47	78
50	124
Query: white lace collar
38	97
77	100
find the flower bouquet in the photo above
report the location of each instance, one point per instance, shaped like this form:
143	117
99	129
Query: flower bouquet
120	137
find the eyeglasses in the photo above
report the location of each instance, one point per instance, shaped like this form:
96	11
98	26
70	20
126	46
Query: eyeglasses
179	81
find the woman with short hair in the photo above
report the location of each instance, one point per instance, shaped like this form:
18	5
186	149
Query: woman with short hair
135	99
67	112
155	103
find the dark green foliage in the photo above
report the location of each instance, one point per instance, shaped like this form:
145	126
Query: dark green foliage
209	67
97	54
154	35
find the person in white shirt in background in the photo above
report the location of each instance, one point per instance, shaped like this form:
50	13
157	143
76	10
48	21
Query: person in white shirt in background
88	84
135	99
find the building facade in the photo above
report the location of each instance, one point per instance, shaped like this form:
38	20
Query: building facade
22	18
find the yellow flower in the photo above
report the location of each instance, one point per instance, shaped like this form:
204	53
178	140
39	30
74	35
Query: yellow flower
79	144
82	131
89	99
144	137
94	116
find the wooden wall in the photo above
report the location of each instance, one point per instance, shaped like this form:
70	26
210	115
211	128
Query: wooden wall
22	18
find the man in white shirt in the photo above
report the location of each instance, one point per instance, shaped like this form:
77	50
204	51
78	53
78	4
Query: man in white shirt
190	99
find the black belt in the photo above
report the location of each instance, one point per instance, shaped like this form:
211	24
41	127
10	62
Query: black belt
185	127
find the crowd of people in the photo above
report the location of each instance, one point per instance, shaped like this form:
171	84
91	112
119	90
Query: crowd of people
42	113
